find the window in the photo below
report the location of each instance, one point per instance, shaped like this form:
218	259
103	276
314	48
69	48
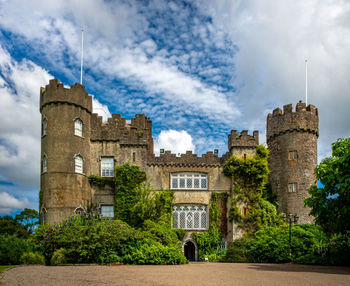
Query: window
133	157
79	211
292	187
44	167
293	155
78	127
78	160
43	215
245	211
107	166
44	127
107	211
189	181
190	217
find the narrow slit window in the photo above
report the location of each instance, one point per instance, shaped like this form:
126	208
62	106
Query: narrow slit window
44	168
292	187
44	127
293	155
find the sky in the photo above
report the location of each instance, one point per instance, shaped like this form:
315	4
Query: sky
197	68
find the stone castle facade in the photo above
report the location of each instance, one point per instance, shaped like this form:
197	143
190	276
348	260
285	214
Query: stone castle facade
76	143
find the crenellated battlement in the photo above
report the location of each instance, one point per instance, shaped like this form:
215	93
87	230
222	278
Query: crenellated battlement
188	160
303	119
243	140
55	92
138	132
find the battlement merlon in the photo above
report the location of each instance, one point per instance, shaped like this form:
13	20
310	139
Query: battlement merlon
189	159
236	140
55	92
304	119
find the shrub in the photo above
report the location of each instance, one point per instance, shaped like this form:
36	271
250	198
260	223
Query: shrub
12	248
238	251
59	257
207	242
32	258
337	250
160	232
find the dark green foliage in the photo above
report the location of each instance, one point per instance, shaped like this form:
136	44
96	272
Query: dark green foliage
160	232
12	248
238	251
59	257
32	258
250	176
88	239
337	250
207	242
269	215
9	226
29	218
101	181
331	204
180	233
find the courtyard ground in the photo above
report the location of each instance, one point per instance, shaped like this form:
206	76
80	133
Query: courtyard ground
190	274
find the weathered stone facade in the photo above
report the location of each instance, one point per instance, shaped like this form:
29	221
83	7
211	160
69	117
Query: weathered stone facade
64	190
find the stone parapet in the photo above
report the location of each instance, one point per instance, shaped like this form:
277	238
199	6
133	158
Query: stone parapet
188	160
303	119
55	92
236	140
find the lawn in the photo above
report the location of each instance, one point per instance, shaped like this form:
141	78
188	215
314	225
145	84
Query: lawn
4	267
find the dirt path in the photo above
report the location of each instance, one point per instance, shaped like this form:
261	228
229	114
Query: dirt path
191	274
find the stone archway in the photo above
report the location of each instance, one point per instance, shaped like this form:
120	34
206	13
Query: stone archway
189	249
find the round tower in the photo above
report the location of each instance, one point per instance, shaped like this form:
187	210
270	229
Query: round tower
292	140
65	151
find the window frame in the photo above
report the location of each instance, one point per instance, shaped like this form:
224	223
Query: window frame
106	168
292	187
76	157
186	181
78	127
180	209
44	165
44	127
107	205
292	155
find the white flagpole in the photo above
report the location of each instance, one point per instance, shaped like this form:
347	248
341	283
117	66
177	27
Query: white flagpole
82	57
306	82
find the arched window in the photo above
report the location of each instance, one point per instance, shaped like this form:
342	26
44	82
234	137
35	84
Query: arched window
79	210
44	164
44	127
78	160
43	215
78	127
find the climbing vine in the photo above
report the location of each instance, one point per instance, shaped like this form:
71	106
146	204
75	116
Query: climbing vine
249	177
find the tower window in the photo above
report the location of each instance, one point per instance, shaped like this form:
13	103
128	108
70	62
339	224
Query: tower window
78	160
245	211
107	166
107	211
44	127
293	155
292	188
189	181
79	211
44	166
133	157
43	215
78	127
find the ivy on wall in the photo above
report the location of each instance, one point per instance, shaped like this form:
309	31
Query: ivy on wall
249	179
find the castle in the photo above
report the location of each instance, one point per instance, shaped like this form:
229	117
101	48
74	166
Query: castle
76	143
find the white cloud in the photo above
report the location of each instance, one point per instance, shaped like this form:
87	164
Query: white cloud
177	142
100	109
9	203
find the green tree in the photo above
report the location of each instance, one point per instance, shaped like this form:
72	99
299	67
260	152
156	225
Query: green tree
9	226
331	203
29	218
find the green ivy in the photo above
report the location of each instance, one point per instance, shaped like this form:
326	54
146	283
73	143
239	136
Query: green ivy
100	181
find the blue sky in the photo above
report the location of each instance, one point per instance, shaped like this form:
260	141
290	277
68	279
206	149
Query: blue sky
197	68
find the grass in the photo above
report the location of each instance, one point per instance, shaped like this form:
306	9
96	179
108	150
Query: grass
4	267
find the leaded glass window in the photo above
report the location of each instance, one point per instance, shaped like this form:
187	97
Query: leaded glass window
78	160
78	127
189	181
107	166
190	217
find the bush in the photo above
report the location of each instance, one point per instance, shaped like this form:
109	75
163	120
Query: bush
152	252
32	258
337	250
238	251
160	232
207	242
12	248
59	257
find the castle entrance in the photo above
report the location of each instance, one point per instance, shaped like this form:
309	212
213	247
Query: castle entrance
190	251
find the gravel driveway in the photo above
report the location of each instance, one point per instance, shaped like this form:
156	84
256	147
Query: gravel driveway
191	274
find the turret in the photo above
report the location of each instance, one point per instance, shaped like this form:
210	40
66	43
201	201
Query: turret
292	140
65	150
242	145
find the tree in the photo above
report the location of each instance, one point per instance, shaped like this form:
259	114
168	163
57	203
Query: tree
9	226
331	203
29	218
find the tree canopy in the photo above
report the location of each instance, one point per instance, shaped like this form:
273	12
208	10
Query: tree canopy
331	203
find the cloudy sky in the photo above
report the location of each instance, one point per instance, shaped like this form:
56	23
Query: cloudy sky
197	68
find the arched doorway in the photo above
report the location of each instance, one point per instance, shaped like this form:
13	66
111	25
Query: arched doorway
190	251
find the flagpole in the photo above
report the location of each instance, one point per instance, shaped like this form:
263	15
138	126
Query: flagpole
82	57
306	82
